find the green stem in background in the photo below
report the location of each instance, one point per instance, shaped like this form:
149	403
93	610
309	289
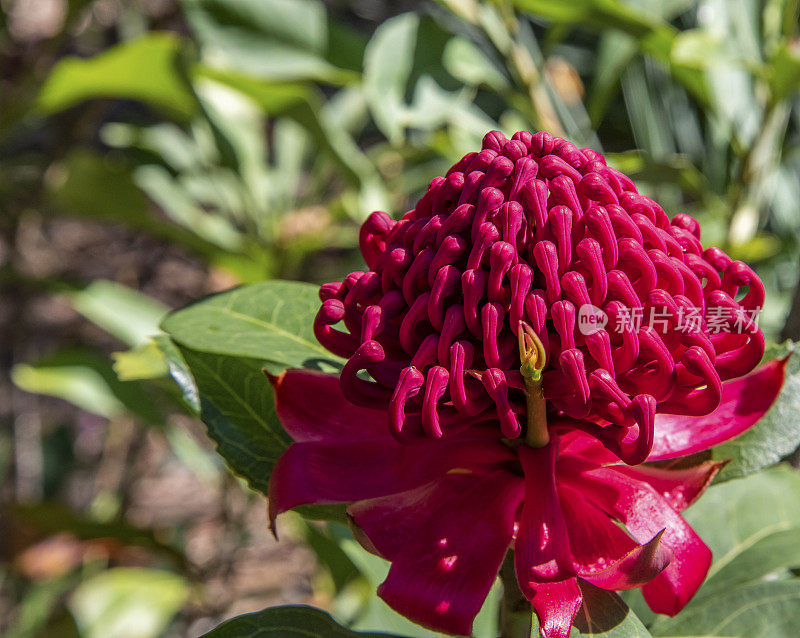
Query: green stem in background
749	193
515	611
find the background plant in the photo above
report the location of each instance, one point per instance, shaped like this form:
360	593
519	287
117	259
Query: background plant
179	149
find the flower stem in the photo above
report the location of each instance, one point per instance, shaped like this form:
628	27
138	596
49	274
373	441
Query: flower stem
533	361
515	610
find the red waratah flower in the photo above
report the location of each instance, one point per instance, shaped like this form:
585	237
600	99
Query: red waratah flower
525	335
534	231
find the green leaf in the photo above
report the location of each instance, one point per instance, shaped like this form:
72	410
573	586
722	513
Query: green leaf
596	14
785	71
604	615
179	371
286	622
655	36
102	188
271	321
144	69
128	603
388	61
273	97
275	39
129	315
173	196
405	57
224	342
752	526
773	437
330	555
81	386
237	407
465	61
35	612
85	379
140	363
765	609
96	186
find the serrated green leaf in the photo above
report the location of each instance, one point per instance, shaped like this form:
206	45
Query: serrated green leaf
271	321
237	407
179	371
773	437
156	79
286	622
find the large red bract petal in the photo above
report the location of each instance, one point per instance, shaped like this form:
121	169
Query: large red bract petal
603	553
680	487
556	604
542	556
442	575
391	522
342	472
311	407
638	567
595	540
744	401
645	513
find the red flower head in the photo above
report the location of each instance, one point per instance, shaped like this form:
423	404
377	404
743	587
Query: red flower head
634	317
532	322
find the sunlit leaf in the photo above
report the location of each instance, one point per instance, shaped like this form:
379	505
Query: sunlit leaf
274	39
785	69
127	314
388	60
142	362
156	80
128	603
272	321
85	379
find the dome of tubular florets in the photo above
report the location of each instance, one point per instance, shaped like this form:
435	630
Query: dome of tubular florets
634	315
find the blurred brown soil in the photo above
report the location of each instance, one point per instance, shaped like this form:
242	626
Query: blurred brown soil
221	526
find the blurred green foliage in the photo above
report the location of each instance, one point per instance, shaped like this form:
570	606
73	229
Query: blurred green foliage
256	134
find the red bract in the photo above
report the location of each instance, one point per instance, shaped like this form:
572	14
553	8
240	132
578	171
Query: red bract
535	230
445	512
